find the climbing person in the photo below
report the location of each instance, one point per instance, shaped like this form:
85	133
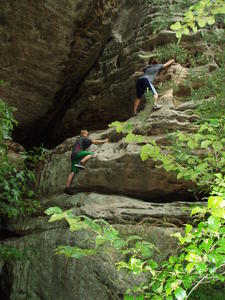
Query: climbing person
80	156
146	81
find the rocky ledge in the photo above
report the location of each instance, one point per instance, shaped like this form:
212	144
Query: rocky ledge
118	168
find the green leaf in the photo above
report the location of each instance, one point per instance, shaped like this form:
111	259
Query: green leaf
176	26
145	152
217	146
221	242
133	237
192	145
186	30
220	250
201	22
99	240
130	138
119	243
75	227
53	210
205	144
91	224
197	210
128	297
200	267
56	217
213	223
214	201
78	253
218	212
180	175
152	264
180	293
189	15
203	127
139	138
192	257
145	250
214	122
110	235
211	20
188	228
179	34
182	137
187	281
140	297
195	29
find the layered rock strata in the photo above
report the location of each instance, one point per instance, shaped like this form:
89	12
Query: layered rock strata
70	63
118	168
43	275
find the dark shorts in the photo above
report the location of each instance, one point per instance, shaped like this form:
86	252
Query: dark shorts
141	87
76	158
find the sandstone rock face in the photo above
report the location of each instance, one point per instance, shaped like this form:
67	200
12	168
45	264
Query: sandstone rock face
116	209
45	55
33	50
71	63
108	91
118	168
42	275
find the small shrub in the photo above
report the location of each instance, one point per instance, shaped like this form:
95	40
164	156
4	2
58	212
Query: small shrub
15	185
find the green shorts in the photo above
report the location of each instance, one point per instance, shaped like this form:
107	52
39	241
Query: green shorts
76	158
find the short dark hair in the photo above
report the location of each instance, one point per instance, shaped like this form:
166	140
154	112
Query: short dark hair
83	131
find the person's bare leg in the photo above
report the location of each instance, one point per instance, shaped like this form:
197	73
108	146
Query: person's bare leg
136	104
156	96
87	157
69	180
156	106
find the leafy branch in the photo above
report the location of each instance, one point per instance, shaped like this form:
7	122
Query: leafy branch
200	258
198	16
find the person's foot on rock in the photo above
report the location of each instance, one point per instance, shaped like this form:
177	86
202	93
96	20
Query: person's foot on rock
68	191
80	166
156	106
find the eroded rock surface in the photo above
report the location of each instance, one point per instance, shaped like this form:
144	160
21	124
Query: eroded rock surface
43	275
46	55
118	167
70	64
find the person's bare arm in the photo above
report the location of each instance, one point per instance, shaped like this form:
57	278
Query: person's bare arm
137	74
98	142
169	63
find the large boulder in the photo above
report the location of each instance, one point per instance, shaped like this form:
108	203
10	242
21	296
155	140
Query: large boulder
118	168
43	275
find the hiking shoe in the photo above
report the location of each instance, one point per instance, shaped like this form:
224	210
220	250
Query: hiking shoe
80	166
68	191
156	106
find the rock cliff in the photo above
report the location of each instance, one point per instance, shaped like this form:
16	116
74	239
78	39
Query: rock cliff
112	187
71	64
118	168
